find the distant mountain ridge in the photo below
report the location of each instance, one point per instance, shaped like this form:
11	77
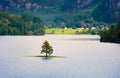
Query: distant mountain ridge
27	5
36	5
107	11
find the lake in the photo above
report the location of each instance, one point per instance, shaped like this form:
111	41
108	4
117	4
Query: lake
85	57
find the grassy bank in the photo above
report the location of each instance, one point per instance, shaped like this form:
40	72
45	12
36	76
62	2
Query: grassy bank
71	31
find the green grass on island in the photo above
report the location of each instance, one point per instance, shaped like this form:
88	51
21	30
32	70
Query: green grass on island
41	56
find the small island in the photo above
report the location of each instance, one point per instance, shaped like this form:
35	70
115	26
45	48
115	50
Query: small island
48	50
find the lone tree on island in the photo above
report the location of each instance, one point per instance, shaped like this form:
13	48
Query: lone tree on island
46	48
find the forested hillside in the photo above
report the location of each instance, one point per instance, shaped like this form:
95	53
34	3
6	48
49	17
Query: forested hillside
11	24
67	13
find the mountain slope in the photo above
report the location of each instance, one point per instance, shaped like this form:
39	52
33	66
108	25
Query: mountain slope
107	11
70	13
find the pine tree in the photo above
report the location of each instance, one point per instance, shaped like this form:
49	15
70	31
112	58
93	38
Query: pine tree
46	48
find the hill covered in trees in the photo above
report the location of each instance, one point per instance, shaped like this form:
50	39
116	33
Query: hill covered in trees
67	13
12	24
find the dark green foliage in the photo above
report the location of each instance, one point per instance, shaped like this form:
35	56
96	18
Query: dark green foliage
106	35
111	35
117	33
46	48
11	24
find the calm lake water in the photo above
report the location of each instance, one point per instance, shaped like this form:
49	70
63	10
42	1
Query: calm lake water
86	57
